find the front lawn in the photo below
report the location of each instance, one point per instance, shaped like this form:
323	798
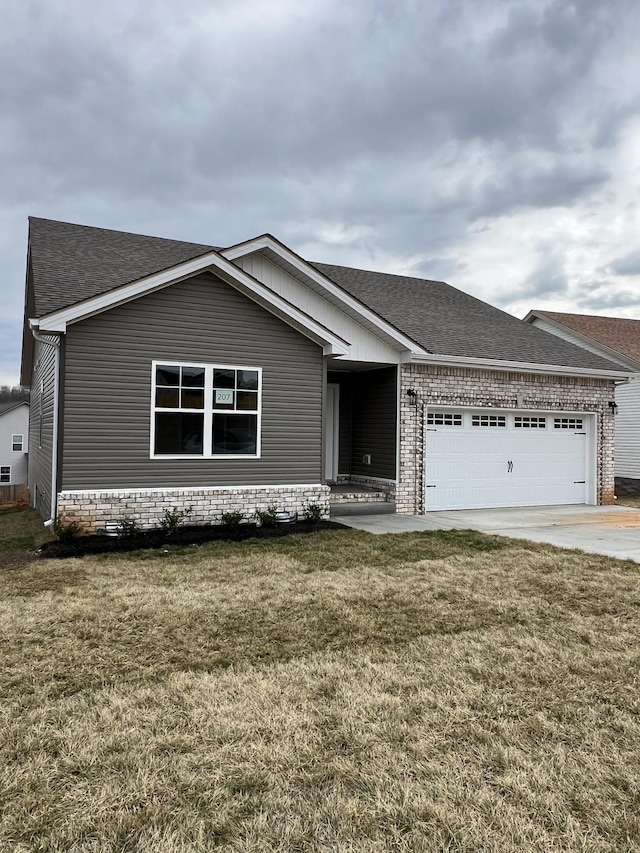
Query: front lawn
333	692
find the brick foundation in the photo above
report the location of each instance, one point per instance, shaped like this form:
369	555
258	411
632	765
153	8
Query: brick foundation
468	387
93	509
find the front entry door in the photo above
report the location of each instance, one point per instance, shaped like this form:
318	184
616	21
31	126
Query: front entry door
331	434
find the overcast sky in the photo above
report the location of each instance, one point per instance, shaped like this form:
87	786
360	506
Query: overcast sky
494	144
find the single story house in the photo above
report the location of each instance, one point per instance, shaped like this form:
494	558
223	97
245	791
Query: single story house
167	375
618	340
14	438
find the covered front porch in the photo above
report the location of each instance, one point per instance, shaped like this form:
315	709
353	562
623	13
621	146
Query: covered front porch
361	435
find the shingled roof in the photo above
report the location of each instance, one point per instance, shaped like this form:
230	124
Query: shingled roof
617	333
447	321
71	263
75	262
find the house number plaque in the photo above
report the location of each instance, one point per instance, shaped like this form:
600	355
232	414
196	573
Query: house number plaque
224	397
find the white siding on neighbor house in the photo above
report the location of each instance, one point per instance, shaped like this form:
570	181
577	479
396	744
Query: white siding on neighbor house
15	422
627	446
365	346
627	453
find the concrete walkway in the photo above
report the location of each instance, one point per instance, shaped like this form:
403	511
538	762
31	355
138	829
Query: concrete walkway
610	530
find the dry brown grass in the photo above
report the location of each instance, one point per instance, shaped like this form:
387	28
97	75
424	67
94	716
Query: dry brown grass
337	692
21	529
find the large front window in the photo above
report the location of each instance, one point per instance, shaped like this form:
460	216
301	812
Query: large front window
205	410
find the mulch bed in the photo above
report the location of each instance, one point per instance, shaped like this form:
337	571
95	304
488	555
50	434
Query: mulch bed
184	536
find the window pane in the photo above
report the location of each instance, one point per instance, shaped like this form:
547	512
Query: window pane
192	398
248	379
167	398
235	434
5	474
247	400
224	379
177	433
167	374
16	442
193	377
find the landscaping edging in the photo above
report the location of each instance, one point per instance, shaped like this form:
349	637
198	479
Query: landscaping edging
193	535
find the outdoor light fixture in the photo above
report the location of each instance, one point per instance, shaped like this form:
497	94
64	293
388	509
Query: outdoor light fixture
612	405
413	397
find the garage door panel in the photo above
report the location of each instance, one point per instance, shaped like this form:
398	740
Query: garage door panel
489	466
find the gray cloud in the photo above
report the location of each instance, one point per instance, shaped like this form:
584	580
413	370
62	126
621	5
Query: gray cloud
603	295
549	277
625	265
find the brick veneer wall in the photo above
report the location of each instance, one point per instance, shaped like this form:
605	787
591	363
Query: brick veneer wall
93	509
457	386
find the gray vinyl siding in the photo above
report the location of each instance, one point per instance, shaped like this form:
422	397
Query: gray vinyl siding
41	438
374	422
627	452
107	407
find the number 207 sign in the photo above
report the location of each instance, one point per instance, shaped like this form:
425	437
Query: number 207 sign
224	397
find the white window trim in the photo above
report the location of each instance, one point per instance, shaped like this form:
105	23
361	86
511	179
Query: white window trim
20	436
207	412
3	469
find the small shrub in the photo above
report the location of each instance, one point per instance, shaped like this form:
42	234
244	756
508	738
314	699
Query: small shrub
313	513
232	520
127	528
67	531
173	518
267	517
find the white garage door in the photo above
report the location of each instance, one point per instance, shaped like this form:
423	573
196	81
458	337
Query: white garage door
482	459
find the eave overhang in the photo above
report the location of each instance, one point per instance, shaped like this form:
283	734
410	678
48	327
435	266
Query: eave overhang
332	344
522	367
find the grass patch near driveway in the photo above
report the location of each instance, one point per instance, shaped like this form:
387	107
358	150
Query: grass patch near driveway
339	691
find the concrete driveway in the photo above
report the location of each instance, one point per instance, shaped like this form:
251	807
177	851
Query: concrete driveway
610	530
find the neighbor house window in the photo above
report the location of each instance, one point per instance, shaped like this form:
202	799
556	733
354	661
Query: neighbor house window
17	443
5	473
206	410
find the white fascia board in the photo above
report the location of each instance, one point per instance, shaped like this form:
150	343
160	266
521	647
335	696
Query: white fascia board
332	344
607	352
267	242
520	366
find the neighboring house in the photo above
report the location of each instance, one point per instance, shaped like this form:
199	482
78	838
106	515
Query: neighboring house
167	374
617	339
14	443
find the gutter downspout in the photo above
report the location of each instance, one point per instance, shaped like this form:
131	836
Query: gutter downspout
54	455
